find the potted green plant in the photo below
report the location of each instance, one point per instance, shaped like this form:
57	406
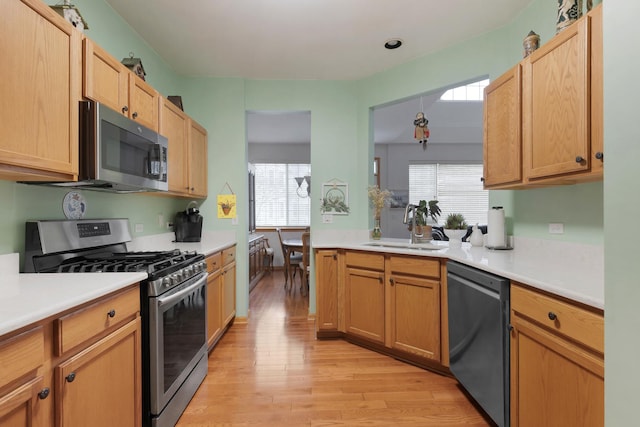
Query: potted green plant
455	227
423	211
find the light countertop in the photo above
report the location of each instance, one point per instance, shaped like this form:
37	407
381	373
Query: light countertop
570	270
29	298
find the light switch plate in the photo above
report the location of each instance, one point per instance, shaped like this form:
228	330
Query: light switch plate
556	228
327	219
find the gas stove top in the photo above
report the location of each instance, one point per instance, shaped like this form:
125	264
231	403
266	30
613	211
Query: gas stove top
153	263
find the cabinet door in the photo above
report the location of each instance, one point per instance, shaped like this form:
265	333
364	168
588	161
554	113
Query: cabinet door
228	293
144	102
415	316
41	73
197	160
214	307
553	382
502	148
326	290
174	126
364	302
20	407
556	106
101	385
106	80
597	117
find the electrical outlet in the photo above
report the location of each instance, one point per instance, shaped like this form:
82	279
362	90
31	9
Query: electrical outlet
327	219
139	228
160	220
234	221
556	228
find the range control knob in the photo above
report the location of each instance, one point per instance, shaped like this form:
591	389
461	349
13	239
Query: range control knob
166	282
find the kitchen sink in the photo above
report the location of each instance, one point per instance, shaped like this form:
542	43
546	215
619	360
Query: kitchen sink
398	245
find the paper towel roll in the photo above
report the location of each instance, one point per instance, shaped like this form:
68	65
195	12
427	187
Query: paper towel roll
496	232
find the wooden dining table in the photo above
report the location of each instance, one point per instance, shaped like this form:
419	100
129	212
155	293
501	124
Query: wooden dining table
290	246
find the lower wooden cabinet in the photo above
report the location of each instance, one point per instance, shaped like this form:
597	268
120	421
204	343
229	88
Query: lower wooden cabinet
364	303
221	293
557	362
228	293
327	297
83	368
101	385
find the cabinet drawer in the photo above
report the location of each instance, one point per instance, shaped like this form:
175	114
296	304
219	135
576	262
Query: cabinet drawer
228	255
416	266
366	260
214	262
20	355
86	323
573	322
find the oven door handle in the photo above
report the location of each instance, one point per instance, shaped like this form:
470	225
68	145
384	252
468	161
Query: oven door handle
177	296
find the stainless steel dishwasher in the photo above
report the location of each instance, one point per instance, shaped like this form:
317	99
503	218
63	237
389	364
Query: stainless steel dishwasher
479	337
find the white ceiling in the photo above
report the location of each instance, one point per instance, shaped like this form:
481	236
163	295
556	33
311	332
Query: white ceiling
320	39
306	39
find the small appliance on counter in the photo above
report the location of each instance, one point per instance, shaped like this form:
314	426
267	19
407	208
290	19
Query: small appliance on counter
187	224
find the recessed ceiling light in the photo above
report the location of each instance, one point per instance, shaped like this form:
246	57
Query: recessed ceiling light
393	44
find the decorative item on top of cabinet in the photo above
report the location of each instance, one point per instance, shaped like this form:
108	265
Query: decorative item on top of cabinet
135	65
71	13
41	93
530	43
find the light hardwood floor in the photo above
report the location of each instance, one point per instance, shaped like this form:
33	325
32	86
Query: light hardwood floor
273	372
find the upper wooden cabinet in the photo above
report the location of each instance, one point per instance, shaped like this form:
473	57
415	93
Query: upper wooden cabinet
187	151
502	148
561	95
41	73
108	81
197	159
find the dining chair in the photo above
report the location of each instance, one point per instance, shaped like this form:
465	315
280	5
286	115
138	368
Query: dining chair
292	262
304	264
268	254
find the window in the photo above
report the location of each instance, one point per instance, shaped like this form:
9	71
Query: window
277	201
457	187
471	92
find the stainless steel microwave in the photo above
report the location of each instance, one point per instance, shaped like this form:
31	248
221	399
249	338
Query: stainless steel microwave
118	154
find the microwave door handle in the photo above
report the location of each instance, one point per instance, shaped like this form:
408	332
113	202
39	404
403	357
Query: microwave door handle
154	167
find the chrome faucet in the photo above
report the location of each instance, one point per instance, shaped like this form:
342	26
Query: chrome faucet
405	220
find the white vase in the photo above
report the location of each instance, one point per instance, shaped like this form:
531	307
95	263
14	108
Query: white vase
455	236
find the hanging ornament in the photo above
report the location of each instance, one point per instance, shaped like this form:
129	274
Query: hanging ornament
421	133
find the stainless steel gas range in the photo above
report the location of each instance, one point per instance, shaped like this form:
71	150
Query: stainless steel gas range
173	302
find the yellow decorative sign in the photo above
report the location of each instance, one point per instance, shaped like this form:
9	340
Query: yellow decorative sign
226	205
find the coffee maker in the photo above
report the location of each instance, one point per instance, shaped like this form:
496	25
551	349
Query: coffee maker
187	224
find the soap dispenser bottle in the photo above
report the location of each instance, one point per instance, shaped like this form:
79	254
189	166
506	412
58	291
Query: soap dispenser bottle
476	237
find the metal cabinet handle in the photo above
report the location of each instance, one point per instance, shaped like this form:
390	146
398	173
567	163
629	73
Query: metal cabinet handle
335	257
70	377
552	315
599	155
380	279
125	109
111	313
135	115
392	281
579	159
482	179
44	393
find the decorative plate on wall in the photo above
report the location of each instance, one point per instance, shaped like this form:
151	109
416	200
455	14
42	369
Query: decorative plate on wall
74	205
